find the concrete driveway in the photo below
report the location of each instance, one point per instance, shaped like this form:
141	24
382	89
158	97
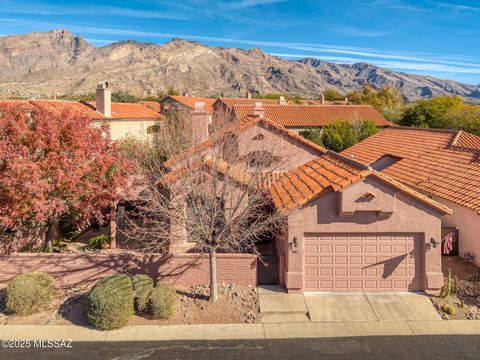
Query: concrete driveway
278	306
369	307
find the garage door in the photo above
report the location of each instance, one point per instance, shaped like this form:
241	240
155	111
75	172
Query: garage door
363	262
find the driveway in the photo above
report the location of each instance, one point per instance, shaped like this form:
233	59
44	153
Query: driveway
278	306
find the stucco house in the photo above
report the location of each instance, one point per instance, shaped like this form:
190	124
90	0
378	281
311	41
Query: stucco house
443	164
349	227
124	119
297	118
184	104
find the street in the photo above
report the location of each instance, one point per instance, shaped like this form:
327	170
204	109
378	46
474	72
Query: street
450	347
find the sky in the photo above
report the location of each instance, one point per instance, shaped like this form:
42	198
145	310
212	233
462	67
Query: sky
438	38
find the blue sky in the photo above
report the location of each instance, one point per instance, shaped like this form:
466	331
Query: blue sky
439	38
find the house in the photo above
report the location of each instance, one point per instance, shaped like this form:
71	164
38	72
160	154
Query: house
354	229
348	228
443	164
226	105
184	104
297	118
123	118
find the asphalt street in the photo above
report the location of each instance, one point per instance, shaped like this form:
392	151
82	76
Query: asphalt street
451	347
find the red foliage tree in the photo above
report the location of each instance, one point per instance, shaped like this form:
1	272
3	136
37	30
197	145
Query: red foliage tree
55	164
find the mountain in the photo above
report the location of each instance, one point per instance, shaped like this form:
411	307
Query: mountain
41	64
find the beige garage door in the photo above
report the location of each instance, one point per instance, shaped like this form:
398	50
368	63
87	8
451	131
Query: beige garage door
363	262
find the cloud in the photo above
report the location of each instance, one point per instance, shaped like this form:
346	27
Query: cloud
14	7
358	31
460	7
243	4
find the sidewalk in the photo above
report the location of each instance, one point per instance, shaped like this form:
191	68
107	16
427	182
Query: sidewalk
243	331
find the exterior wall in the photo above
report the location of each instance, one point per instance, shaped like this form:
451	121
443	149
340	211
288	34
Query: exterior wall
468	223
85	269
121	128
322	215
293	153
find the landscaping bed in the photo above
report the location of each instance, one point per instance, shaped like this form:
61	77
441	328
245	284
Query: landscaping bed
465	299
235	304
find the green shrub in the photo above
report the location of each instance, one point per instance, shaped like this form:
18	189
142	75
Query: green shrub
162	304
339	135
99	242
110	302
142	286
29	293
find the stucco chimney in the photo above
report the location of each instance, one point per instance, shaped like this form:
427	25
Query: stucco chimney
258	110
322	99
104	99
282	101
248	95
200	121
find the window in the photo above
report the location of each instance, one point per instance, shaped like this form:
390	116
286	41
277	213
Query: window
257	159
384	162
201	210
153	129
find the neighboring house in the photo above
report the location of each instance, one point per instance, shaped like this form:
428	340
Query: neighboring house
299	117
124	119
349	228
444	164
225	105
184	104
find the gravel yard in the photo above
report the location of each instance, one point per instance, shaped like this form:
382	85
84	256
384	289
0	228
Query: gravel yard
466	299
236	304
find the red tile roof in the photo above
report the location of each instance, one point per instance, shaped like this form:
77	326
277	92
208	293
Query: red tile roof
314	115
190	101
443	163
237	127
119	110
154	105
230	102
329	172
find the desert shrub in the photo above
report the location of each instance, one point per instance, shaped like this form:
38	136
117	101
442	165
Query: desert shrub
29	293
449	309
162	304
99	242
110	302
339	135
142	286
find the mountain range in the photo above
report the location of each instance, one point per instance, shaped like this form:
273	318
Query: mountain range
58	62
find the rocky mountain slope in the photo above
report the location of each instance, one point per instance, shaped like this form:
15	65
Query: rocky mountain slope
40	64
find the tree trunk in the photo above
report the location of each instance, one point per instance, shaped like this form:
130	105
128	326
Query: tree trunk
53	233
113	228
213	275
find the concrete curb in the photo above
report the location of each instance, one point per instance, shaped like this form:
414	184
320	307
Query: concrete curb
242	331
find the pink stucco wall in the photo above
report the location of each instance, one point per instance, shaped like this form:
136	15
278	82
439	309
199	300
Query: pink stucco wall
468	223
293	152
389	212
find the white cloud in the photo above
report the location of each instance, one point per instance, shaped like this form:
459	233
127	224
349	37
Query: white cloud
243	4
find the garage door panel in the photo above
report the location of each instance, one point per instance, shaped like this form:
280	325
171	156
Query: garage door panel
364	262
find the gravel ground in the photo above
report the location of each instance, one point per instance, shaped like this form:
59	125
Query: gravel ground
236	304
466	299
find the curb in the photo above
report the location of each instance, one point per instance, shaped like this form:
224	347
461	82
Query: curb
241	331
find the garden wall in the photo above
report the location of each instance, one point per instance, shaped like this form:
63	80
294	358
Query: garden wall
85	269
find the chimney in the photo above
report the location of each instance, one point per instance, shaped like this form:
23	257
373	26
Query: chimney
248	95
258	110
200	122
185	93
322	99
104	99
282	101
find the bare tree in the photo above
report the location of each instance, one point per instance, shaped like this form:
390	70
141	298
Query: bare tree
213	198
